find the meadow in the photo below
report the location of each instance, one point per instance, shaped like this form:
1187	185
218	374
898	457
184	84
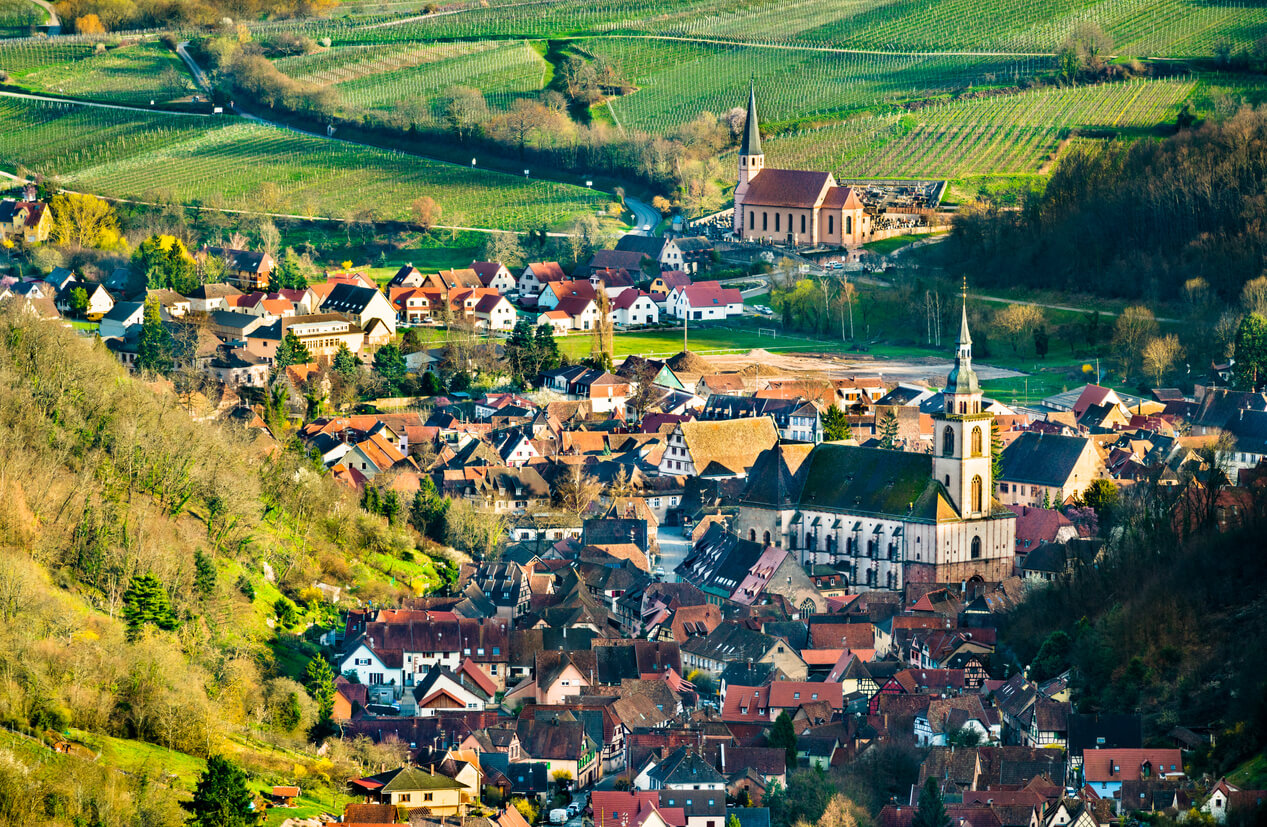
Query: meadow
235	165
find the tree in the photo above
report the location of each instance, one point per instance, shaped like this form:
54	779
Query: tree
165	263
888	430
89	24
79	300
1250	349
836	425
547	348
1053	656
464	108
425	211
1041	342
996	450
1017	322
291	351
345	363
389	363
783	736
291	272
145	603
504	247
1131	332
575	490
426	512
1100	496
85	220
319	681
154	345
1254	296
931	811
204	573
477	531
221	798
521	352
1160	355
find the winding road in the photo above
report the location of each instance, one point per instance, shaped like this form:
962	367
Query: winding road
54	22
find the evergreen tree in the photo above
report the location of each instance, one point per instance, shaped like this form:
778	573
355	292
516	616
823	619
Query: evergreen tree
78	300
996	451
547	348
888	430
389	363
291	351
290	714
346	364
390	506
181	273
930	812
204	573
783	736
145	603
1251	352
431	385
221	798
521	352
154	347
319	681
290	273
836	425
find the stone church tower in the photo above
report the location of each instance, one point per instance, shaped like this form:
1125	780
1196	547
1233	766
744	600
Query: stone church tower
751	158
961	434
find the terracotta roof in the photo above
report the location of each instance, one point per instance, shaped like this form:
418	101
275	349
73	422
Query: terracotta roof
1108	765
791	694
842	198
787	188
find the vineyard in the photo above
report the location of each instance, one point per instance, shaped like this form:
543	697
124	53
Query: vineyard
254	167
676	80
133	74
1005	135
18	16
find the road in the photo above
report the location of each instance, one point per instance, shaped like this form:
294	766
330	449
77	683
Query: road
200	77
998	300
96	105
645	216
673	549
54	22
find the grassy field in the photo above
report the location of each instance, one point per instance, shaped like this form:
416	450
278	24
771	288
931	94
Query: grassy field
248	166
706	338
135	74
18	16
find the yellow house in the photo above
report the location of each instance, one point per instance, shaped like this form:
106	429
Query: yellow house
26	221
414	787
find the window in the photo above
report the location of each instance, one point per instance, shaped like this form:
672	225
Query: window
976	494
948	441
976	548
831	224
776	222
765	220
404	797
976	442
802	225
427	796
848	224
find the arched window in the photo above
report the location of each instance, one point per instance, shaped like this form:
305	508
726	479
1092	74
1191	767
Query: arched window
976	442
976	548
848	224
752	220
807	607
752	534
948	441
766	538
976	495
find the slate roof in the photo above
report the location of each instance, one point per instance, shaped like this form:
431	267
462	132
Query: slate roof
1104	730
645	245
1041	459
348	298
685	766
730	642
874	481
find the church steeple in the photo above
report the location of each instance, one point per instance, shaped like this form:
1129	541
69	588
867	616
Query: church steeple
962	380
963	463
751	144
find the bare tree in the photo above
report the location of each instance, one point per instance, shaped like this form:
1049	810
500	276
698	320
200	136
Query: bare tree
1160	355
575	490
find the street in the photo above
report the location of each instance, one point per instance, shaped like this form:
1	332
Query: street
673	549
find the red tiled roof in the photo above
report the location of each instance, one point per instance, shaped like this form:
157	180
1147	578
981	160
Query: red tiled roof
1102	765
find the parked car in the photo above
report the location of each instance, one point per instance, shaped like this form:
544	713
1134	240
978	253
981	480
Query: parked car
559	816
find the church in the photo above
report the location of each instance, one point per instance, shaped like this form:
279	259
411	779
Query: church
792	206
888	518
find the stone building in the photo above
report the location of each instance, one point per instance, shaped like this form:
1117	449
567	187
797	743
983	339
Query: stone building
891	517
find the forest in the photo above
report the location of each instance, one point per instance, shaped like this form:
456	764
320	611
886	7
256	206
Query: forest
1132	220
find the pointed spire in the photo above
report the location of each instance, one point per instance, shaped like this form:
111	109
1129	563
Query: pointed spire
752	132
964	337
963	379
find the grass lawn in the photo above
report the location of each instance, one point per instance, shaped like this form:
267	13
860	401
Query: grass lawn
306	806
82	324
887	245
734	337
138	757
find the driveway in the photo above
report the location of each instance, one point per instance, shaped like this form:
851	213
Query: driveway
673	549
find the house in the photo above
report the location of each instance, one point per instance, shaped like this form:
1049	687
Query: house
321	334
613	282
1104	770
413	787
634	307
366	306
440	689
727	448
25	221
172	304
494	275
1046	470
121	318
681	254
407	276
729	641
100	301
703	301
537	275
206	298
563	743
629	261
245	269
632	808
665	283
558	291
1226	798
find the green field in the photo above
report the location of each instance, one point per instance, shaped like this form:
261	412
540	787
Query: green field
18	16
1004	135
235	165
133	74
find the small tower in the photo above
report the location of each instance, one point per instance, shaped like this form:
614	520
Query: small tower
961	433
751	158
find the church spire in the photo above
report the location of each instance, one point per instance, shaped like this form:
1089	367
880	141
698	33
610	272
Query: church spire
963	379
751	144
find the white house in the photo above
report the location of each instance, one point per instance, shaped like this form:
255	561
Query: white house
495	275
122	317
704	301
99	300
634	307
537	275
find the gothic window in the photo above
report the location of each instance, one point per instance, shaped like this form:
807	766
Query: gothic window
976	548
776	222
802	225
765	220
976	442
948	441
807	607
848	224
752	534
976	495
766	538
831	224
752	220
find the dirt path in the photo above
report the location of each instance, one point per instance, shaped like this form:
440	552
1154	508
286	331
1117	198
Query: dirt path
932	370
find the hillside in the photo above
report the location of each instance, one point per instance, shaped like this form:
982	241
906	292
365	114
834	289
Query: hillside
1159	625
105	479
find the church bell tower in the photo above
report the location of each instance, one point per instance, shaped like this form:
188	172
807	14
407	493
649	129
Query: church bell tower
751	158
961	433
